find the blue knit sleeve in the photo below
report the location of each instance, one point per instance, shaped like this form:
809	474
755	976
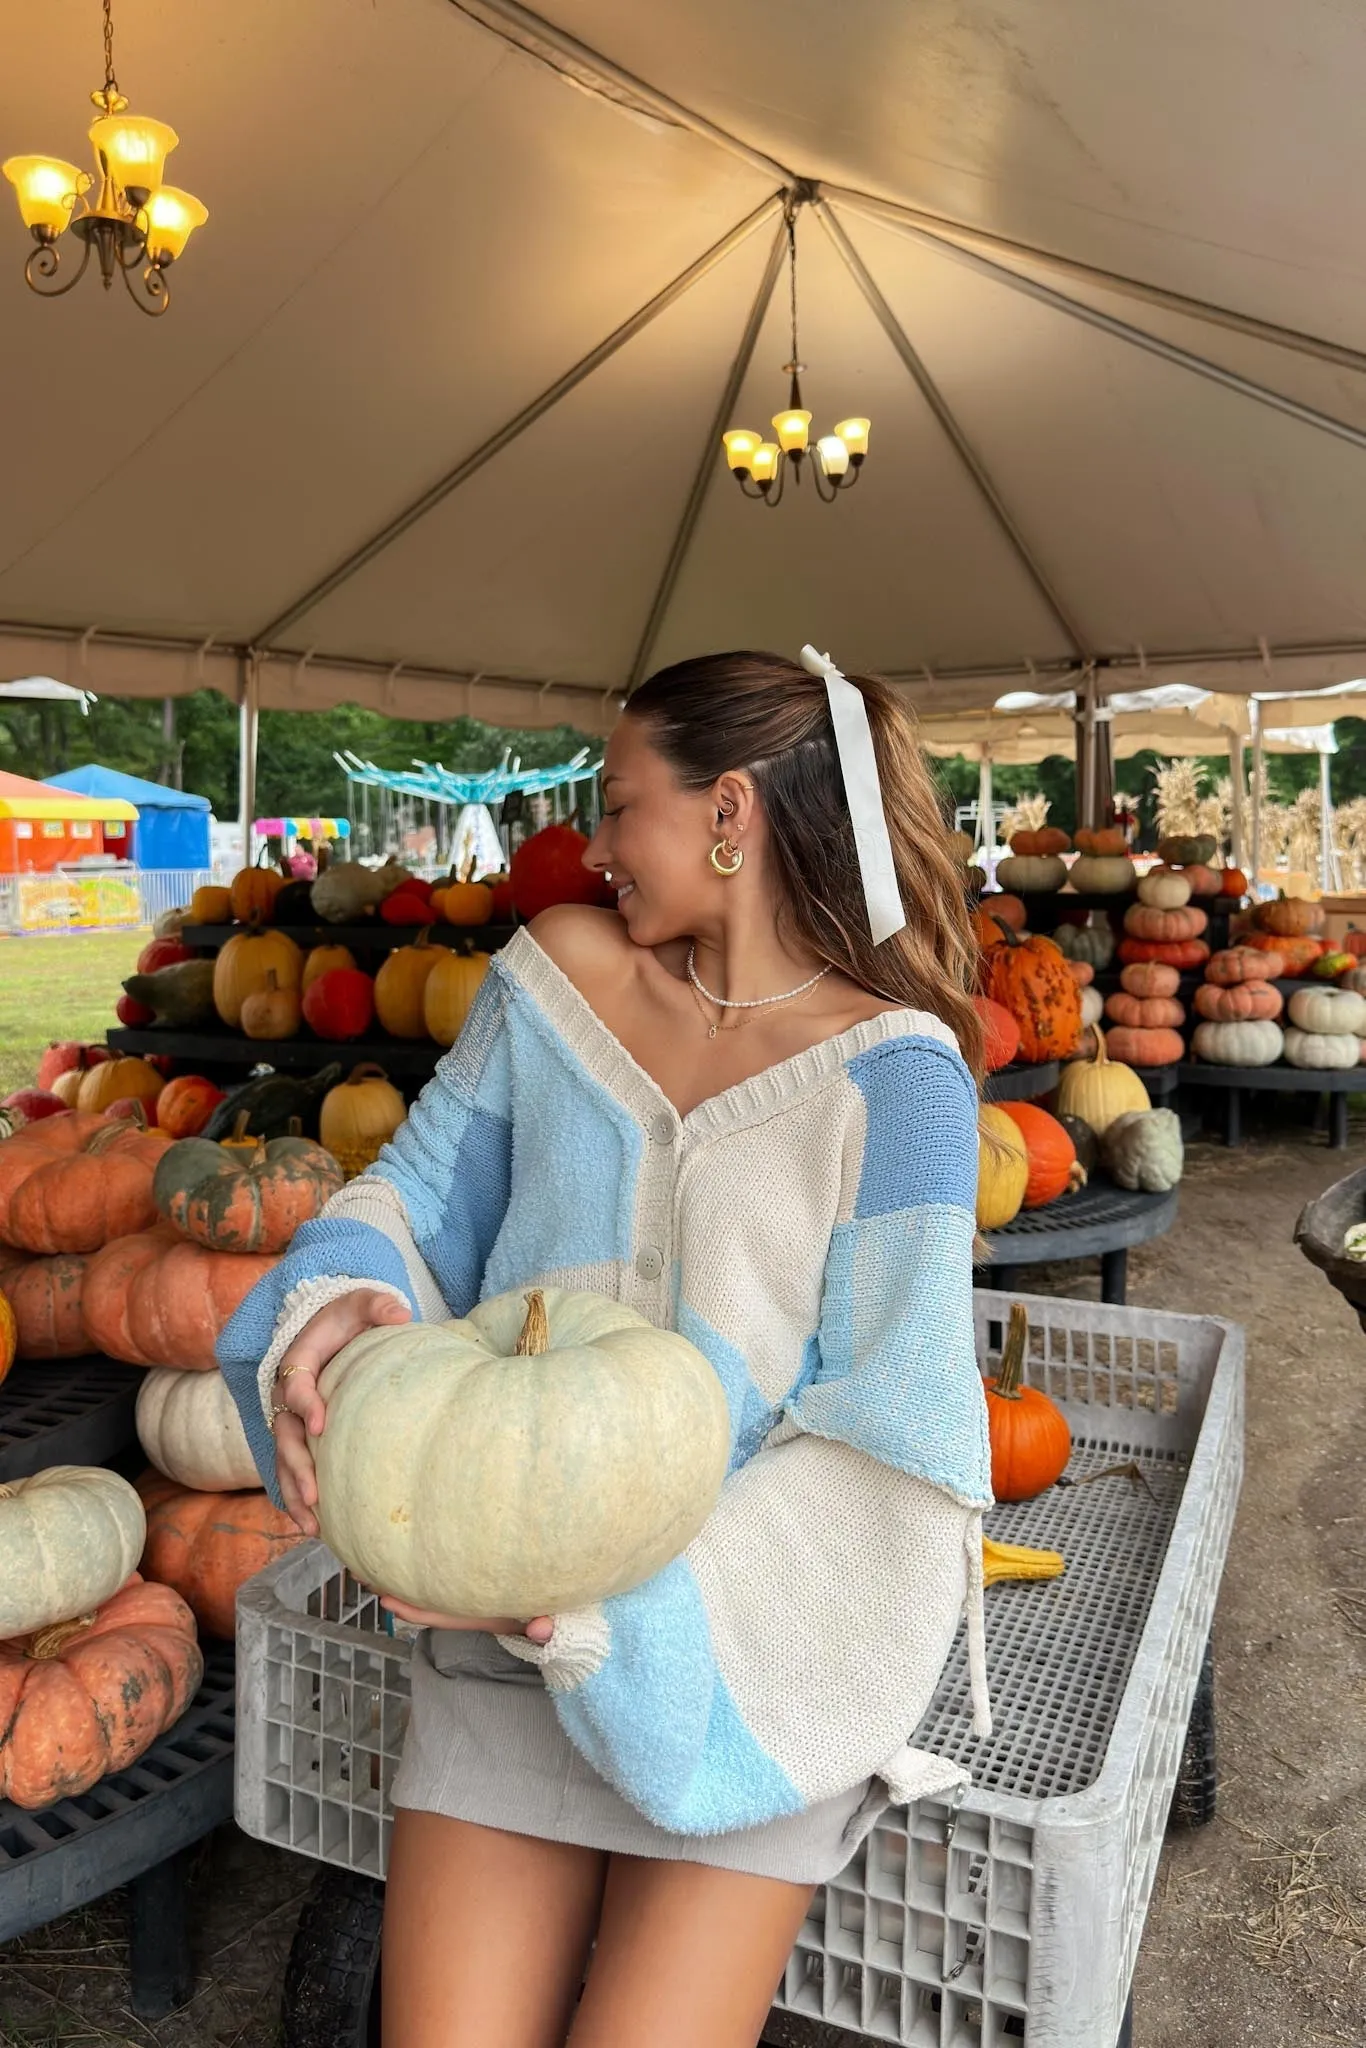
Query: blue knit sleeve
793	1647
421	1221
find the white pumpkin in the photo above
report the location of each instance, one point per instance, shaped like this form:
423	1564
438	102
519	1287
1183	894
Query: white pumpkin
1101	874
1092	1006
1329	1009
1164	889
69	1537
538	1455
1031	874
1251	1042
189	1427
1331	1049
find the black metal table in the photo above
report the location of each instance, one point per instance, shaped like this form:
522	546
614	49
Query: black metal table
208	1051
1099	1221
1337	1083
65	1411
1021	1081
131	1828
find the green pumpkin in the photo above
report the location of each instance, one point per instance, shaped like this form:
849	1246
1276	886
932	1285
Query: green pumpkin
1142	1149
1093	941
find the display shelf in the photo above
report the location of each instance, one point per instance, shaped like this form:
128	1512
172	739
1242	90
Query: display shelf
371	934
1098	1221
65	1411
1337	1083
129	1828
1021	1081
402	1059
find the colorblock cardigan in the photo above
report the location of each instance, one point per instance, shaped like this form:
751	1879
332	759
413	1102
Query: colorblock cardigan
810	1230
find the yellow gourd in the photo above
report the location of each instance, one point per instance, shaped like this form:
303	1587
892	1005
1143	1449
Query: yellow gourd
210	905
322	959
359	1116
1099	1089
1002	1168
451	988
401	986
243	964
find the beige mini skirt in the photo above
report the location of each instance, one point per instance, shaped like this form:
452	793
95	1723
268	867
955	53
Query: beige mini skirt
484	1744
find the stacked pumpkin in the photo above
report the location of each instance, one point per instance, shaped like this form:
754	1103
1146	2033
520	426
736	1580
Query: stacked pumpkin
1192	855
1162	939
1287	928
94	1663
1238	1006
1035	866
1028	977
1102	866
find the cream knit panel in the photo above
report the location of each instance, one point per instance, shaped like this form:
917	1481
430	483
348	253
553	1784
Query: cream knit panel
833	1586
756	1210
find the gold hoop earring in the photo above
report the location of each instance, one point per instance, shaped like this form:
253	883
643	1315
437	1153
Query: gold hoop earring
734	854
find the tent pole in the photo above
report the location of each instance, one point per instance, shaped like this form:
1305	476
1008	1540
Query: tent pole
1325	819
986	832
706	469
944	230
1121	330
1255	714
248	723
527	417
938	405
1235	771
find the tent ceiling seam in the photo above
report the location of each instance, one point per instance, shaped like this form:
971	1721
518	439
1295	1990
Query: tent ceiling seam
706	469
947	419
1122	330
944	229
436	493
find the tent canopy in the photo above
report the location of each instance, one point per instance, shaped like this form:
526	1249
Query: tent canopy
45	802
432	421
173	824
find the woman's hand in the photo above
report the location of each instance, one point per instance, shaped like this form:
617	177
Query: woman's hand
538	1630
296	1388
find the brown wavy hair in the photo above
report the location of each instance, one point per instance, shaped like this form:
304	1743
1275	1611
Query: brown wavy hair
765	714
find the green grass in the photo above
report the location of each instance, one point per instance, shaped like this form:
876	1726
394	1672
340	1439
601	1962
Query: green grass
58	988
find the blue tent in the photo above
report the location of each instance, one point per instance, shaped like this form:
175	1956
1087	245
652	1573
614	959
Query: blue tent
173	826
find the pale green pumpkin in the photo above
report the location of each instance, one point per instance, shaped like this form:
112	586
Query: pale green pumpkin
69	1537
542	1453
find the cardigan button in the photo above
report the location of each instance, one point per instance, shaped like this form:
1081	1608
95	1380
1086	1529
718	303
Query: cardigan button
650	1262
662	1128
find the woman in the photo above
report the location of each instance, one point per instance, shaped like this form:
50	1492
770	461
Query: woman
731	1108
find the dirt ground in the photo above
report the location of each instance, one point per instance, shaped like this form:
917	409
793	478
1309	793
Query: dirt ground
1257	1929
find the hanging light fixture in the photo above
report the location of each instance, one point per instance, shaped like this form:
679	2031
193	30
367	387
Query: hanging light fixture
137	226
760	467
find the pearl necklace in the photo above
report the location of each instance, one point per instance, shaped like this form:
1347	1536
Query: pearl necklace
754	1002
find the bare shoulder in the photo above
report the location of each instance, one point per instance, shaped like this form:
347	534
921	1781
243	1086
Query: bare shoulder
585	943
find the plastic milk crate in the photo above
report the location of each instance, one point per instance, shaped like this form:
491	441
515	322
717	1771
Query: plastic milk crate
1016	1917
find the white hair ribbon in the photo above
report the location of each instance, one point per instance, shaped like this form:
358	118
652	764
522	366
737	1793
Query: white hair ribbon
863	794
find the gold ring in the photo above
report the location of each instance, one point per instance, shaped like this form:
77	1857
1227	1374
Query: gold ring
278	1409
302	1366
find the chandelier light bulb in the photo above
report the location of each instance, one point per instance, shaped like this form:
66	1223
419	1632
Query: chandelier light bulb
132	150
854	434
172	217
764	466
741	444
834	454
792	430
47	190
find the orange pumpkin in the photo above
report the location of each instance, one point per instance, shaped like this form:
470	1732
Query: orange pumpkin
1048	839
1289	917
1029	978
1149	978
1145	1048
185	1105
209	905
87	1697
997	904
463	903
1232	882
1054	1168
235	1201
1000	1033
1297	956
1030	1440
1144	1013
77	1199
1203	880
115	1081
322	960
451	988
1108	843
1082	972
1148	921
153	1299
9	1336
244	963
253	893
401	985
1175	952
43	1299
272	1013
1230	1004
206	1545
1243	963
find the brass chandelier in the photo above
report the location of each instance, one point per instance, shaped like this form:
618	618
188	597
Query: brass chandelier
136	225
760	467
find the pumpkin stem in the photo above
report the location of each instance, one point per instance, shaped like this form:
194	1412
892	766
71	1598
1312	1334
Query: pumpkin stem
535	1338
50	1642
1007	932
1007	1386
366	1071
